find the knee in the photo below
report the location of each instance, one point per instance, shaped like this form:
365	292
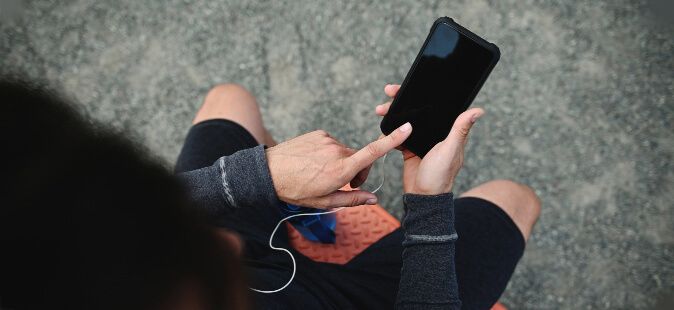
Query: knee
528	204
227	101
519	201
227	93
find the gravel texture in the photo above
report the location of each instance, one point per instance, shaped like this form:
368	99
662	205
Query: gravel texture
580	106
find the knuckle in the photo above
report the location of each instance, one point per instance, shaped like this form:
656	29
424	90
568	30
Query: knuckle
334	149
463	131
321	132
345	152
372	149
353	201
330	141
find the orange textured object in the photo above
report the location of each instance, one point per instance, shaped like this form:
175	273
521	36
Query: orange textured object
498	306
357	228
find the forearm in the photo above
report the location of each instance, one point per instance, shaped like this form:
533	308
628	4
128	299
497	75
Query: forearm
428	277
237	181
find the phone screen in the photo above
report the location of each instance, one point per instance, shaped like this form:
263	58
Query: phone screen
449	71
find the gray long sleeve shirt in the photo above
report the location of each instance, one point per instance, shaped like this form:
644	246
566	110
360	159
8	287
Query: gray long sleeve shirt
427	279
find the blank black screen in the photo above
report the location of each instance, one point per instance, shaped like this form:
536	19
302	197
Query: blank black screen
445	80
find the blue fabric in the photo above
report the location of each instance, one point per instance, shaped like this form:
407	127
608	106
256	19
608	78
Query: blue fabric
317	228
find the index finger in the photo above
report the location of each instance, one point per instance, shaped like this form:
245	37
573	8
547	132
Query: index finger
371	152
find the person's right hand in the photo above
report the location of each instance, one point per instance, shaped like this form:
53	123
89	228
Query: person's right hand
435	173
309	170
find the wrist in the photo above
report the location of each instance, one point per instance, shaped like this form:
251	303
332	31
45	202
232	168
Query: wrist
273	172
417	196
246	178
431	215
429	191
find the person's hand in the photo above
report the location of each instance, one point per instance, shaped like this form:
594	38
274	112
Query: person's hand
435	173
309	170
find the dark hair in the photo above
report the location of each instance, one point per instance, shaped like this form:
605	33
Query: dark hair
87	221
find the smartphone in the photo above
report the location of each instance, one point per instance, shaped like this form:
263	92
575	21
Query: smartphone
445	78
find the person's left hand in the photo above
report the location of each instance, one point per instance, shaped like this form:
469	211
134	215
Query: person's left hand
309	170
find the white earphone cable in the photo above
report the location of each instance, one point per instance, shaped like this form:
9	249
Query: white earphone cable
273	233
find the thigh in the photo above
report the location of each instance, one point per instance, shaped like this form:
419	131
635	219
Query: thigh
487	251
209	140
370	280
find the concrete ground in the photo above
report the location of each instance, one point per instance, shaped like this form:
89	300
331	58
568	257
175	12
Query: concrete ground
580	106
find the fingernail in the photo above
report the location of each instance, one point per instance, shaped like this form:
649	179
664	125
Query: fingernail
406	127
475	117
371	201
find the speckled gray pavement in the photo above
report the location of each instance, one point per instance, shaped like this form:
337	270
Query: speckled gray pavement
580	106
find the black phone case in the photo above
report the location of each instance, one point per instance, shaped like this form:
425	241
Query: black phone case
387	126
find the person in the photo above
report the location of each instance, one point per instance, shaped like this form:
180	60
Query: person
493	220
449	252
90	221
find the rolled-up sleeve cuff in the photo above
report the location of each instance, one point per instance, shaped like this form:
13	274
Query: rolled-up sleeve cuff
429	219
236	181
246	179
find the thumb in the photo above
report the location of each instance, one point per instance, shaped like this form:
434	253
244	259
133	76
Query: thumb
347	199
462	125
